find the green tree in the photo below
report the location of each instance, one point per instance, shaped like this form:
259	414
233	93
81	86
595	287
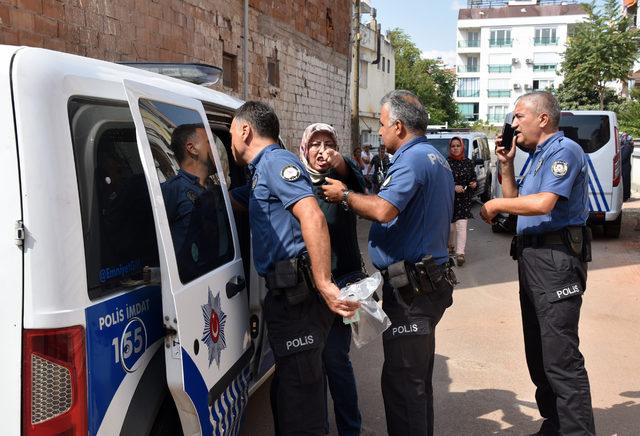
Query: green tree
602	49
427	78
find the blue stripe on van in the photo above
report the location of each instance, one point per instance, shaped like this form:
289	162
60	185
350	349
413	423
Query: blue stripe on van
592	191
595	176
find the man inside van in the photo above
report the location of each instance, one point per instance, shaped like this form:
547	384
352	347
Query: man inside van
552	247
194	206
291	250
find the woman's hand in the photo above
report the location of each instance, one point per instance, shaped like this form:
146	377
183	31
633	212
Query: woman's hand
459	189
333	158
473	184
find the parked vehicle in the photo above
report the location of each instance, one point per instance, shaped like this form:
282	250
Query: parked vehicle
105	335
476	148
597	134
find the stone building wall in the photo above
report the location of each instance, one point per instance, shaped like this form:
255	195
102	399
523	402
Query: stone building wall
308	40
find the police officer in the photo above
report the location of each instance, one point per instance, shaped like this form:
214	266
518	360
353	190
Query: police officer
552	247
286	222
412	215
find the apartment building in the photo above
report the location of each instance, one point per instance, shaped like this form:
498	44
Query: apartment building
507	48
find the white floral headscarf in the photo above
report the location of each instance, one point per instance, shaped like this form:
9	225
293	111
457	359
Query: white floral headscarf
316	176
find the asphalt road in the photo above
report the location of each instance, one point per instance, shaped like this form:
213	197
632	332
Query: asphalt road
481	383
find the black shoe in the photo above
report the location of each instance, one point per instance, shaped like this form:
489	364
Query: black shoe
547	429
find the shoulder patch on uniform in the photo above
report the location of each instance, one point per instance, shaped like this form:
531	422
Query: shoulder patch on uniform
191	195
290	173
559	168
386	182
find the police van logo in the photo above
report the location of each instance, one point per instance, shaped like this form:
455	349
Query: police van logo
386	182
559	168
213	333
290	173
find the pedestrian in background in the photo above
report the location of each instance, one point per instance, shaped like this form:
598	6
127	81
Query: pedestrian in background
380	164
408	239
626	150
366	157
552	247
319	153
291	250
464	176
357	157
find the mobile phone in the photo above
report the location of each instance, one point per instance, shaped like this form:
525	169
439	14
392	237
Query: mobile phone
507	136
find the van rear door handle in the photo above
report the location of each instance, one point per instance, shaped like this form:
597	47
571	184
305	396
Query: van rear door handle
235	285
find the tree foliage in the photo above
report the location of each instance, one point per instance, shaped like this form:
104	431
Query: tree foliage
601	50
427	78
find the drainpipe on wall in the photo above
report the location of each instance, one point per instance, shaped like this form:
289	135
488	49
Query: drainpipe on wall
245	52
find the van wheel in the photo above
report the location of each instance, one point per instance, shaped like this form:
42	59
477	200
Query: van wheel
486	195
612	228
168	421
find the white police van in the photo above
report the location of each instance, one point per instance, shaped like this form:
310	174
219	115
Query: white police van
476	147
597	134
106	332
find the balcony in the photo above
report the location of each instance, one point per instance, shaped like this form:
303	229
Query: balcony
496	118
544	67
545	41
469	43
468	69
468	93
494	93
499	68
500	42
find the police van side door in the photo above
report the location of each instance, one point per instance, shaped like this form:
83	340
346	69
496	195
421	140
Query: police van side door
476	156
205	308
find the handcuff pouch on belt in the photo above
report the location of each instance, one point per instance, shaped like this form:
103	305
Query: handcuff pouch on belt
422	278
292	278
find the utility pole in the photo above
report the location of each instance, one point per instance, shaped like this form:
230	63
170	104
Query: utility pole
355	91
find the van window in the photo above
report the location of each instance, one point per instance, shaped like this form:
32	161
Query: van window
442	145
192	192
117	219
592	132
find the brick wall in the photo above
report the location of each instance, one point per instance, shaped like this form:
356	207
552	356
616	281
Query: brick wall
308	38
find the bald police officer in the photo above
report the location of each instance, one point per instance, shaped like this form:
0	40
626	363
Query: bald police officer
291	250
552	247
408	243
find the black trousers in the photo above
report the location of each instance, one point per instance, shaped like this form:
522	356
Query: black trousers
409	350
297	335
552	282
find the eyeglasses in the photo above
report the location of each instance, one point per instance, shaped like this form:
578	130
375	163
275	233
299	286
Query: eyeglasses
327	144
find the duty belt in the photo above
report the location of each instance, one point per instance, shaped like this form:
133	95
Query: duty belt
549	238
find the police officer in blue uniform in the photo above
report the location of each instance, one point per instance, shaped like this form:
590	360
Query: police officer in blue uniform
291	249
408	243
552	247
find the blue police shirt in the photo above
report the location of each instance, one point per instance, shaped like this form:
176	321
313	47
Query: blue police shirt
558	165
278	181
420	185
180	193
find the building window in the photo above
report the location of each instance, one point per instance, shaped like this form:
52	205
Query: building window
363	74
384	60
545	62
469	87
273	72
500	38
500	63
499	88
497	113
469	111
389	66
230	71
542	84
473	40
545	36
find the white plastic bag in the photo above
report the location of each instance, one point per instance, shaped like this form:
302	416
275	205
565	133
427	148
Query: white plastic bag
370	320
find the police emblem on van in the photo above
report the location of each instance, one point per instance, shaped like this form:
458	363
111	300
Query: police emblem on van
213	333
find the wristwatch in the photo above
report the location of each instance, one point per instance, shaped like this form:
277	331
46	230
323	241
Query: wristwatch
345	198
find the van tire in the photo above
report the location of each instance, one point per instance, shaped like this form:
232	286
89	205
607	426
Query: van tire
486	195
167	422
612	228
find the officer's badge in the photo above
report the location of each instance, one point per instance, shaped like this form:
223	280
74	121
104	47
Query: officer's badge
254	181
191	195
538	167
386	182
213	333
290	173
559	168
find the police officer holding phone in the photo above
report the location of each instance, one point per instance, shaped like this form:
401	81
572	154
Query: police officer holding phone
291	251
552	247
408	243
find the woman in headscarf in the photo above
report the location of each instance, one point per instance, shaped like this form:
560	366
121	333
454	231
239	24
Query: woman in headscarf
464	176
319	153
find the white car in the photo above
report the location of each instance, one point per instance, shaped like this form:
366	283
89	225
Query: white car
597	134
104	333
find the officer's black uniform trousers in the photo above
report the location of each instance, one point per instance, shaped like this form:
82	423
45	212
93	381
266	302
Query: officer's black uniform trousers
552	281
409	350
297	335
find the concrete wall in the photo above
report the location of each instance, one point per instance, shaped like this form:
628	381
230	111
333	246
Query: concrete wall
309	39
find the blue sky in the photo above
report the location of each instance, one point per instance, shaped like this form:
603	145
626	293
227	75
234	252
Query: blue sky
431	24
